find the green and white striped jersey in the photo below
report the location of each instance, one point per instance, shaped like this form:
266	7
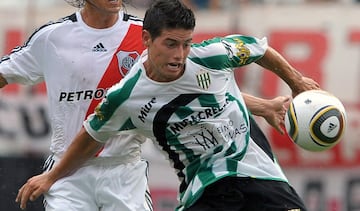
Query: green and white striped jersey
199	120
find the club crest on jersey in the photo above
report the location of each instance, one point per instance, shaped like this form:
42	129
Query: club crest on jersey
126	60
243	52
98	113
203	79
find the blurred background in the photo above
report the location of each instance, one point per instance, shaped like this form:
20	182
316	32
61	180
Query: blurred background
321	38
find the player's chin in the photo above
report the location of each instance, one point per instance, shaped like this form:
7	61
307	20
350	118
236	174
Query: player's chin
114	9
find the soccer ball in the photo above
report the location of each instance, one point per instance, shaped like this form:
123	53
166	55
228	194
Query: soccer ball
315	120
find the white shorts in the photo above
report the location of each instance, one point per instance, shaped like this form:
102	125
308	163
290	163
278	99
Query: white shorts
104	185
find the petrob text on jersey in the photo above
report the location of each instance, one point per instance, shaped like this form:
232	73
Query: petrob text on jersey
82	95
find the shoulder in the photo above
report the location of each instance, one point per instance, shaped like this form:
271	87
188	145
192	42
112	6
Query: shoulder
229	51
228	40
132	19
41	34
125	86
209	53
50	26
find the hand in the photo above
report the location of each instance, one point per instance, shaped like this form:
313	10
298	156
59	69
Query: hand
275	112
307	84
33	188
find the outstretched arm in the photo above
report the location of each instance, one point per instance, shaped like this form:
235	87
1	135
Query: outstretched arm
276	63
273	110
82	148
3	81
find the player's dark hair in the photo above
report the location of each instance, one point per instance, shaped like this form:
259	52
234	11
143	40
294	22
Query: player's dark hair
168	14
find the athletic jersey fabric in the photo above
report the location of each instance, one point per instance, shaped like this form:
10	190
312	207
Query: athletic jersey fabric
77	76
199	120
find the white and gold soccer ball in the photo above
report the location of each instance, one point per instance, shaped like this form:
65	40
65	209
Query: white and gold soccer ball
315	120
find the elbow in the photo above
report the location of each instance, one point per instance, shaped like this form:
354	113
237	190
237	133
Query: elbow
3	81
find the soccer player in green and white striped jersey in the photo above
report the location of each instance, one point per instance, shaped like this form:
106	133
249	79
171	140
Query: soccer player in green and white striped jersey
184	97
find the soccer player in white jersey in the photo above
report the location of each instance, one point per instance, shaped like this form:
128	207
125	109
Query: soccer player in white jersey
193	112
80	57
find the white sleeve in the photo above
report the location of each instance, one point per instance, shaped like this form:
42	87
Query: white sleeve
101	137
23	64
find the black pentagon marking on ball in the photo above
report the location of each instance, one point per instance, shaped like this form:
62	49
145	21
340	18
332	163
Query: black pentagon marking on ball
294	129
319	118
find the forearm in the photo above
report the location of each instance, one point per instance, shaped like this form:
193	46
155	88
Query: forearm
273	110
82	148
276	63
257	106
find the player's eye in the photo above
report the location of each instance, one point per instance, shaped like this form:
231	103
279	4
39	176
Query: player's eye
187	44
171	44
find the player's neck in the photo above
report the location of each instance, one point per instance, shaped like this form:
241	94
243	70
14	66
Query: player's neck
99	20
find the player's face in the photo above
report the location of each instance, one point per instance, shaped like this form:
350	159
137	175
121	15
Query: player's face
105	6
167	54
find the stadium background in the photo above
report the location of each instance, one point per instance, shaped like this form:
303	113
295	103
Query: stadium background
320	38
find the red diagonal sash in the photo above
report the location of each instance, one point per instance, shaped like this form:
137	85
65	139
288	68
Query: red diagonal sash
132	42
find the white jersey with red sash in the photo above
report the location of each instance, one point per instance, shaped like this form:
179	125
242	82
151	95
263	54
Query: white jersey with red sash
77	75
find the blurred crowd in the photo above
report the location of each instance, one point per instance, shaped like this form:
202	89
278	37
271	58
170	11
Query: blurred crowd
218	4
194	4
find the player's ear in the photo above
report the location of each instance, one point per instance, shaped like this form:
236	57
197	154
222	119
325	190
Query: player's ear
146	37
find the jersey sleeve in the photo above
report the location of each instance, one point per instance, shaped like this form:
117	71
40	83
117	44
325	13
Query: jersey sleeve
227	53
99	135
23	64
110	117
